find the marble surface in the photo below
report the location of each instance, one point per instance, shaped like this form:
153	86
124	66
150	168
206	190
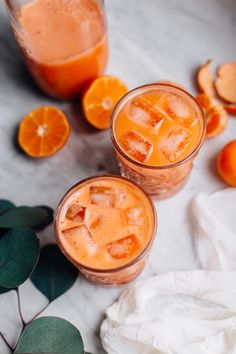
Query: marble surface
150	40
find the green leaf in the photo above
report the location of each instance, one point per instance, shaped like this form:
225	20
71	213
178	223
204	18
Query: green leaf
50	335
19	253
4	290
48	220
23	217
5	205
54	274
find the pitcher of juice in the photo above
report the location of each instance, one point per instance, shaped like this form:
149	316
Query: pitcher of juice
63	42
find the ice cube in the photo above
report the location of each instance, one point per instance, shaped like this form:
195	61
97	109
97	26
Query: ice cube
134	216
142	112
80	237
102	195
75	213
178	109
124	248
120	196
137	146
175	143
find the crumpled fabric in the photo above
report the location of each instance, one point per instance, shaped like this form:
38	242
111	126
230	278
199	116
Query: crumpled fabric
175	313
214	227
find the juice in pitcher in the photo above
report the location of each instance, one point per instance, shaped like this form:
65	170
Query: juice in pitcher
157	131
64	42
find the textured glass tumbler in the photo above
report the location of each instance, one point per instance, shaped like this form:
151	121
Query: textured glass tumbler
161	181
121	274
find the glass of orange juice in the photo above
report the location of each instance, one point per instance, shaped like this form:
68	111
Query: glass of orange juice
157	131
63	42
106	225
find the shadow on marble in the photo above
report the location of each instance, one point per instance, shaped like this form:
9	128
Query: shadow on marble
93	147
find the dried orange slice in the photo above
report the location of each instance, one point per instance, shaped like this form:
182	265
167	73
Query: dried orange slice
216	115
226	163
226	81
205	80
43	132
231	109
100	99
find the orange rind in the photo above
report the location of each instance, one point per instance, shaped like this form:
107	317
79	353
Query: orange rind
225	82
231	109
216	115
205	80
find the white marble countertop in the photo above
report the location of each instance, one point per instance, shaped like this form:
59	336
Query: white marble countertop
150	40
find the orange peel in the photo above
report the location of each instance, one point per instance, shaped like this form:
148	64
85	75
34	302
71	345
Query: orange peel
225	82
216	115
205	80
231	109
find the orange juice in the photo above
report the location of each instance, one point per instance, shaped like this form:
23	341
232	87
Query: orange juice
64	43
106	224
157	130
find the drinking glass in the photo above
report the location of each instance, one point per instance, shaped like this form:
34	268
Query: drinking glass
131	268
158	181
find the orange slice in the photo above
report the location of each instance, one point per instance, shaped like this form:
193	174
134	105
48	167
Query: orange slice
43	132
231	109
226	81
205	80
216	115
100	99
226	163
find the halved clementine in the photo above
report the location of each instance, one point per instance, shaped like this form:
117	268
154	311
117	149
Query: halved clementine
216	115
100	99
43	132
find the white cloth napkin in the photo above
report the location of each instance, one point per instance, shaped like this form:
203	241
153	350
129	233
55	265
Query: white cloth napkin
215	229
184	312
175	313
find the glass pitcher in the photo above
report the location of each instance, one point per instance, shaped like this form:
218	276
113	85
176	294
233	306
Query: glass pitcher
63	42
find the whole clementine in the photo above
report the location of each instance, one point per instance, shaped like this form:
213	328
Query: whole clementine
226	163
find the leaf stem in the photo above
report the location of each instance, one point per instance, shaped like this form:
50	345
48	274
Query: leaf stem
39	313
19	307
6	342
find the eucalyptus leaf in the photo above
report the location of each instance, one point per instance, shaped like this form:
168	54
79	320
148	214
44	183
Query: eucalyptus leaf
23	217
4	290
54	274
48	220
19	253
50	335
3	232
5	205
